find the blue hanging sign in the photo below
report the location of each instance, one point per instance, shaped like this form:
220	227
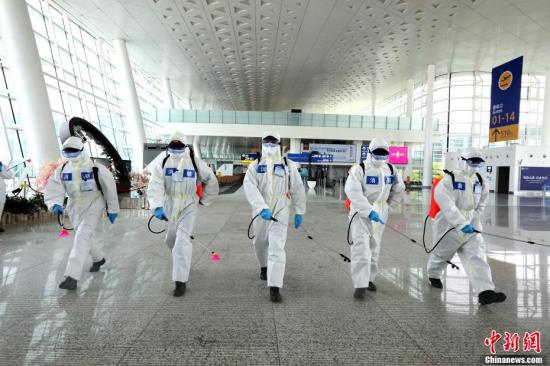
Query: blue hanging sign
505	98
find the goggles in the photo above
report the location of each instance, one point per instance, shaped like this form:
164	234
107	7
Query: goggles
270	140
380	154
71	152
475	162
176	152
176	145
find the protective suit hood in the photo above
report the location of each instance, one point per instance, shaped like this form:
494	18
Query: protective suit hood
177	136
471	160
75	142
176	145
271	142
375	146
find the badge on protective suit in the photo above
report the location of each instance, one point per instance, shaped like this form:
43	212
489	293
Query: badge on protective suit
279	170
388	179
461	186
372	179
188	173
67	177
261	169
169	171
477	188
87	183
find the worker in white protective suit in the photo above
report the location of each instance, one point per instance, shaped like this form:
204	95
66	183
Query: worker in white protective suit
5	173
462	196
272	185
372	187
91	189
172	193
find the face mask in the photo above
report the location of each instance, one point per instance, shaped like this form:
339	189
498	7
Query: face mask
270	149
472	168
177	154
378	160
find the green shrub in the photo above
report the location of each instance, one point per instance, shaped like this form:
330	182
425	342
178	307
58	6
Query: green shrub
22	205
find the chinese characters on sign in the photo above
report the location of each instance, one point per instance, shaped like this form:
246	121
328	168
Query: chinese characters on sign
511	342
533	178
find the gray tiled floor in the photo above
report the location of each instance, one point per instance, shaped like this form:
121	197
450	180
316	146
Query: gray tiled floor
126	315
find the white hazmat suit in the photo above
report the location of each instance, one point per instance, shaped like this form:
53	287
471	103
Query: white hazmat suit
461	205
86	203
275	185
173	187
375	188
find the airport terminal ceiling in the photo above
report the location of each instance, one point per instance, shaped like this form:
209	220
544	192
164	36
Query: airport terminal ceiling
318	55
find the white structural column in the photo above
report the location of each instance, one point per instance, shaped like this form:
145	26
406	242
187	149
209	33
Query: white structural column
373	101
295	146
428	128
197	146
409	112
546	111
168	96
29	86
133	110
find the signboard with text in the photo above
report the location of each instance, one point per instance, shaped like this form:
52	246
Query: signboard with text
505	98
364	152
339	153
299	158
532	178
322	158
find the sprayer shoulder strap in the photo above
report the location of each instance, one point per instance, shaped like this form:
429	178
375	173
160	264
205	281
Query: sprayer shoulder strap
165	160
286	164
392	171
452	176
95	169
192	155
479	178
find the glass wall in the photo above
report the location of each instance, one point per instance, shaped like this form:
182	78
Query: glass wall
461	105
150	96
81	80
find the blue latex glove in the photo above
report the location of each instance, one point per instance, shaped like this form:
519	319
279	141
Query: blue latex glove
1	167
468	229
373	216
298	220
57	210
265	214
159	214
112	217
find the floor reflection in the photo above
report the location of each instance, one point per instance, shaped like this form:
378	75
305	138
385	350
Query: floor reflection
39	324
520	269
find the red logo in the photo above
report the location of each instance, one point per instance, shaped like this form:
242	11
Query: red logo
531	341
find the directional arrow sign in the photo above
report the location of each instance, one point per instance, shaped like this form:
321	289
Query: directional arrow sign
495	134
